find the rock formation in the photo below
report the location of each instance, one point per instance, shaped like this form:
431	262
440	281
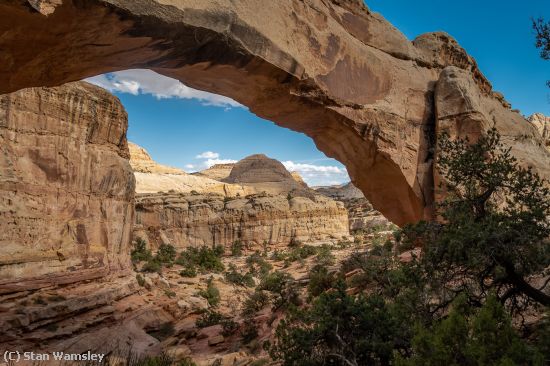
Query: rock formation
264	174
542	123
362	216
195	220
67	211
141	162
332	69
216	172
66	186
152	177
341	192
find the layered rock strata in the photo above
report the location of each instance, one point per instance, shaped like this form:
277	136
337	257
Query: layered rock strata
333	70
66	187
362	216
152	177
542	124
265	175
66	215
195	220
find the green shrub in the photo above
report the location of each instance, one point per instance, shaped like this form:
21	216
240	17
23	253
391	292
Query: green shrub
209	318
294	243
255	302
237	248
153	265
469	336
282	288
56	298
169	293
166	253
140	252
320	280
212	294
39	301
140	280
257	265
237	278
325	256
229	327
249	331
188	272
277	255
301	252
203	258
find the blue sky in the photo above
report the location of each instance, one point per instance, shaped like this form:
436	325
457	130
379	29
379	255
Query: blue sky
191	129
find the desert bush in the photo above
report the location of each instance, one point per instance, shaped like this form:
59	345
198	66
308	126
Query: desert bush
255	302
140	280
236	277
257	265
282	288
166	254
229	327
188	272
211	294
209	318
140	252
320	280
203	258
237	248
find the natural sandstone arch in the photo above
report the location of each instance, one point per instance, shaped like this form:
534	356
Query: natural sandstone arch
328	68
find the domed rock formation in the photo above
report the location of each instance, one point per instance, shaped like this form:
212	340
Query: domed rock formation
264	174
333	70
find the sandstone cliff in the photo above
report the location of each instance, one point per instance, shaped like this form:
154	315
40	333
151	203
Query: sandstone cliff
194	220
362	216
66	187
152	177
542	123
216	172
66	215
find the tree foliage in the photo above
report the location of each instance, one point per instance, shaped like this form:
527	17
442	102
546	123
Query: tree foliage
453	302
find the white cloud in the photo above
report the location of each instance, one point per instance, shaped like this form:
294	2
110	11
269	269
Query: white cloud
189	166
318	175
149	82
208	155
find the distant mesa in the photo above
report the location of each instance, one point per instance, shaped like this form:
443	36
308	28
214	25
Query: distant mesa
217	171
141	162
265	174
341	192
152	177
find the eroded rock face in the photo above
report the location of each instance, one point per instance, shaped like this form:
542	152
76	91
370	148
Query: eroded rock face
363	218
542	124
66	188
195	220
216	172
152	177
331	69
